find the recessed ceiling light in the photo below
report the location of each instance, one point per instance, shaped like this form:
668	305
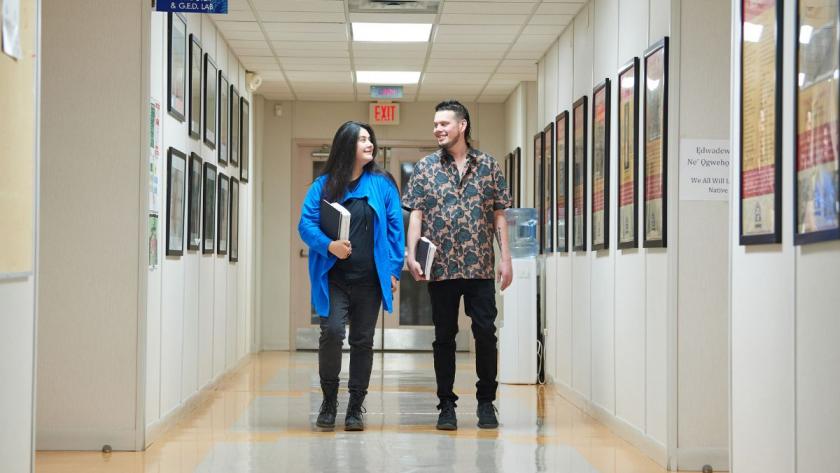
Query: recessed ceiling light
387	77
392	32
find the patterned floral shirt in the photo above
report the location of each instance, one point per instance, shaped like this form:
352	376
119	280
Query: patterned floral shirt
458	212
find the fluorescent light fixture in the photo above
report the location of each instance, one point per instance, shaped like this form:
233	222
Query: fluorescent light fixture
387	77
805	33
392	32
752	32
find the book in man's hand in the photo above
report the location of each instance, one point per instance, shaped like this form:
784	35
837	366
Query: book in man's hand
335	220
425	254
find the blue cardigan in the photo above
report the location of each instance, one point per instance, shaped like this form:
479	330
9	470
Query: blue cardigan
388	236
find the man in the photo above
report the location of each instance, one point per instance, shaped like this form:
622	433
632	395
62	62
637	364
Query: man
457	198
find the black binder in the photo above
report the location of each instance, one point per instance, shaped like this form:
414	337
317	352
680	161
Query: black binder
425	255
335	220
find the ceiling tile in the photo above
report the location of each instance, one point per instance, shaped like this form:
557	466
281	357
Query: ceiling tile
321	6
473	19
488	8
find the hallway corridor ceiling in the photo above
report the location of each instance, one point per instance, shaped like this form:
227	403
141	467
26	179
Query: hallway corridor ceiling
479	50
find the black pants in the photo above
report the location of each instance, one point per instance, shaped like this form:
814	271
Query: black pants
357	303
480	305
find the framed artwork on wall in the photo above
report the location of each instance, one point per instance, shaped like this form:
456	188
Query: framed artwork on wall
816	160
509	173
194	199
234	125
538	186
224	119
515	179
209	209
223	215
601	166
561	182
579	118
760	187
176	61
176	171
548	188
628	154
234	220
196	55
245	136
656	146
210	101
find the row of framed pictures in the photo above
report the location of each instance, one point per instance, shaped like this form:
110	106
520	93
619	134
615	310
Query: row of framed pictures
199	189
226	115
816	163
563	210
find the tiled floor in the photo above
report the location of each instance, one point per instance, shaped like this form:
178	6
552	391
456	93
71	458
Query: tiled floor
261	420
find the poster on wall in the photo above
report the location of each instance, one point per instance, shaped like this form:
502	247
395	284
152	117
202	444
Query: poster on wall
517	179
548	188
11	28
601	166
154	156
579	117
208	211
817	154
656	145
761	105
234	125
210	101
561	182
194	198
538	186
223	215
628	157
177	66
154	238
176	170
245	136
224	119
196	55
234	220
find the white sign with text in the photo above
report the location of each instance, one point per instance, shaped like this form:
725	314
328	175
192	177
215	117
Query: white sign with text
704	170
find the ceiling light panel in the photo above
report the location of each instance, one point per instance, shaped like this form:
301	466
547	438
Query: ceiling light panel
391	32
387	77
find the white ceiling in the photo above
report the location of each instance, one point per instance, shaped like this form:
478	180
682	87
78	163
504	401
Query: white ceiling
480	49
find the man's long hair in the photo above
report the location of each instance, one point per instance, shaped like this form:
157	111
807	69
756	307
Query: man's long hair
461	113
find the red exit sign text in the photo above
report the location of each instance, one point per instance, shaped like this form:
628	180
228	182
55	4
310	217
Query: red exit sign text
384	114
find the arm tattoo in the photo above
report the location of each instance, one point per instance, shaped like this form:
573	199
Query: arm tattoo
499	236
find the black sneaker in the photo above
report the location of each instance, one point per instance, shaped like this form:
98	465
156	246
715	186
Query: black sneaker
447	419
487	415
353	421
326	415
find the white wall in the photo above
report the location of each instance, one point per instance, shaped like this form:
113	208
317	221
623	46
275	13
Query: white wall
784	325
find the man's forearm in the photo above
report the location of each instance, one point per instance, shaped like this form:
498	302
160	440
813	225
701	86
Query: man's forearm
500	224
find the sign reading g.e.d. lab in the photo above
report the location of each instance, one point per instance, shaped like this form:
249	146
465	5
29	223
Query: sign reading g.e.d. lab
384	114
192	6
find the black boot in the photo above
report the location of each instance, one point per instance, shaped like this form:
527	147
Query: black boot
353	421
329	407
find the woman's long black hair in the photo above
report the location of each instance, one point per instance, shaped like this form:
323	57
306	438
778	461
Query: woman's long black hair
339	167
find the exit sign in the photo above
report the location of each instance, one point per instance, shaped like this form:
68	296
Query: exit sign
386	92
384	114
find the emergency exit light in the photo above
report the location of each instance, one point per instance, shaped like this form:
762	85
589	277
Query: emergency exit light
386	92
384	114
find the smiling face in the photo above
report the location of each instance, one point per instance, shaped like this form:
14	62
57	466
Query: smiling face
364	148
449	130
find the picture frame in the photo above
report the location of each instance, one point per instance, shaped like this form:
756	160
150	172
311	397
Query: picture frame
234	125
561	182
223	215
760	109
194	202
816	111
196	55
176	187
656	64
208	209
245	137
517	171
548	188
233	254
509	174
538	187
224	120
176	66
601	166
211	97
579	135
627	228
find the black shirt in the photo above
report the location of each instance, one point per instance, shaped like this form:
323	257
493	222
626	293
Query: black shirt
360	264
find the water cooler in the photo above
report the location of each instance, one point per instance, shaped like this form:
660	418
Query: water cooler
518	332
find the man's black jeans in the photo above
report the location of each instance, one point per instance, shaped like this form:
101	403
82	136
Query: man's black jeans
357	303
480	305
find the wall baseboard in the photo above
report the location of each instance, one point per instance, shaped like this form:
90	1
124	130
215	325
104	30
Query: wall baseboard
655	450
84	439
693	459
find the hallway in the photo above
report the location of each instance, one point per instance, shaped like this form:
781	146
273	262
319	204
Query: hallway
259	419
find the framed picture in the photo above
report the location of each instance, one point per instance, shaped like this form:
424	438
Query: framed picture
176	171
209	210
601	166
816	192
176	61
210	100
548	188
579	118
760	195
223	217
628	154
195	87
509	174
245	136
517	172
656	146
224	119
538	186
561	182
233	255
234	125
194	198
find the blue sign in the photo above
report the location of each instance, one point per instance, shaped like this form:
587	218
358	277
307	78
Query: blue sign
386	92
192	6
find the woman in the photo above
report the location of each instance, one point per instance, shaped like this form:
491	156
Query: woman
352	278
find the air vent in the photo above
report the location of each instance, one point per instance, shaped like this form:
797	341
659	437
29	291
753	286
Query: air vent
394	6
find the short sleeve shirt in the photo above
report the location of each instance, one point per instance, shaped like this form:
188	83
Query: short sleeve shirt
458	212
